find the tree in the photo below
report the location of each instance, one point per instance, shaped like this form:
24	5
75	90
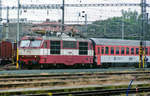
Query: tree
112	27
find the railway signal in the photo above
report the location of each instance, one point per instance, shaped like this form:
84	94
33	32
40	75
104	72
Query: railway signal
143	31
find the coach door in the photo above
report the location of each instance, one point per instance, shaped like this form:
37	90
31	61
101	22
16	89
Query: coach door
45	51
98	49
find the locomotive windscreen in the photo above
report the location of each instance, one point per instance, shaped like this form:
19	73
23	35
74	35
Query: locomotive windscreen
28	43
35	43
25	43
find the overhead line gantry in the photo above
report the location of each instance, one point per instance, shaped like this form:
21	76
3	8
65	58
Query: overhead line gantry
59	6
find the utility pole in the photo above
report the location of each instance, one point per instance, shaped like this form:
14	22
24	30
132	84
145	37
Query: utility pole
7	23
18	26
63	16
1	19
122	27
18	31
143	31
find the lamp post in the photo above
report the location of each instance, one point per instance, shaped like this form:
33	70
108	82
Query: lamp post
84	15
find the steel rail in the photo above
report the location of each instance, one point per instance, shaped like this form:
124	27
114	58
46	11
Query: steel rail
75	74
94	92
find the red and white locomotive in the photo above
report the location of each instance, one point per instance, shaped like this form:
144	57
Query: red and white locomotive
57	51
60	51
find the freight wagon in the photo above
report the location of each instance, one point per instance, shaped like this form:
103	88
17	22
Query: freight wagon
7	52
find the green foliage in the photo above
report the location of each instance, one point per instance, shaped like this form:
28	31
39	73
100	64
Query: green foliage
129	23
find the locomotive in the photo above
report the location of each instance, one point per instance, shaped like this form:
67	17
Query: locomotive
64	51
57	51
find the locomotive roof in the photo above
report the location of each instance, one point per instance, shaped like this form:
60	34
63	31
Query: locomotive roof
102	41
66	38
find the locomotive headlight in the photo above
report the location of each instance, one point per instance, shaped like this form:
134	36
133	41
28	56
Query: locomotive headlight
35	56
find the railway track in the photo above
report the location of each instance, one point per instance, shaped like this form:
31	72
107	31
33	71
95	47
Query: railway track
33	77
94	92
18	81
45	74
56	80
59	71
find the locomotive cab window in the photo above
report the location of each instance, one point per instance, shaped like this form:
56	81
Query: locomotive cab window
83	48
55	47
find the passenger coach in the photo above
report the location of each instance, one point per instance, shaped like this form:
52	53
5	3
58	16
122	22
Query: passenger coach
118	52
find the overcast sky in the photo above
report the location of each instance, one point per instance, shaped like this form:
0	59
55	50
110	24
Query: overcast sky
71	14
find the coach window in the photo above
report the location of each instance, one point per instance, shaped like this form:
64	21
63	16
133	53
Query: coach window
112	50
102	50
98	50
69	44
106	50
127	51
137	51
132	51
55	47
122	50
117	50
83	48
146	51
